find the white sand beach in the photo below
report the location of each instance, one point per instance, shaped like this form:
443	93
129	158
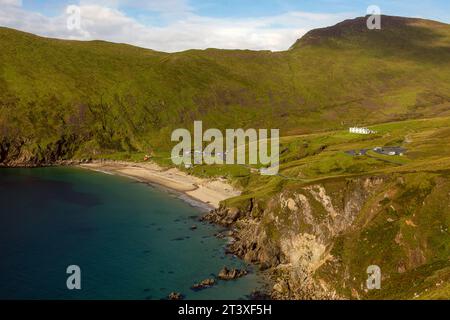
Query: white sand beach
208	191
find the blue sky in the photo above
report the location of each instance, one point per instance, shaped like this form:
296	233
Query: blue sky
432	9
174	25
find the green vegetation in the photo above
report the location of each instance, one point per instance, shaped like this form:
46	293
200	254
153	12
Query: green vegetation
106	98
403	227
81	100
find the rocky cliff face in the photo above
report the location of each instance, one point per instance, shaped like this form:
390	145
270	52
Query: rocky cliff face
298	235
26	153
294	234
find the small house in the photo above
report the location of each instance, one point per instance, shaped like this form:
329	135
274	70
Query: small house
359	130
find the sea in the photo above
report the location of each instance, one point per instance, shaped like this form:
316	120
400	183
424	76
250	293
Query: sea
127	240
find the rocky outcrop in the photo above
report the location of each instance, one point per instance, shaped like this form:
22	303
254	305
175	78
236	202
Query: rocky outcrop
292	237
231	274
207	283
175	296
23	152
223	216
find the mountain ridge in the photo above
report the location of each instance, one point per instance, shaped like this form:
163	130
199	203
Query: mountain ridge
359	23
377	77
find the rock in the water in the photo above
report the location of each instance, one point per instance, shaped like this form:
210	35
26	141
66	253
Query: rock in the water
175	296
227	274
204	284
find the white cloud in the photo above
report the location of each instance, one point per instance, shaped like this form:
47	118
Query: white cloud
104	20
166	6
17	3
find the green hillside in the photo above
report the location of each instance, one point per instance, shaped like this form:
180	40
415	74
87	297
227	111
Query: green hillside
337	205
118	98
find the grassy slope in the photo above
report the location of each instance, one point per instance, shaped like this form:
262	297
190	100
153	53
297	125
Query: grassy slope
403	227
118	98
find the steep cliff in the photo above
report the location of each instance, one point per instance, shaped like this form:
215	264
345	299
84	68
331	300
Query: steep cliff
316	241
25	153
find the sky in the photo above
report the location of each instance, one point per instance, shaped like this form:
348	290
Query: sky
177	25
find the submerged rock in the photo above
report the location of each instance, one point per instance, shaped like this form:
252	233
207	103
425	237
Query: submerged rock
259	295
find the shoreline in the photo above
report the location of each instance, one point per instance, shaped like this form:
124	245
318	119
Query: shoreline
254	284
204	194
193	190
209	192
201	193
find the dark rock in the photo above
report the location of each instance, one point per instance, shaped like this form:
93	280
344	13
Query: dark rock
259	295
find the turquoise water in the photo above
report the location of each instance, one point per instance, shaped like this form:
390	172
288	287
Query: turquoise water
131	240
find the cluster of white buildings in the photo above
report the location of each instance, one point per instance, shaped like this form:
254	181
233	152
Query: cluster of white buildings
359	130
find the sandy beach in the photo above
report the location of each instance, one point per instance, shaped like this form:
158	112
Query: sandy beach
210	192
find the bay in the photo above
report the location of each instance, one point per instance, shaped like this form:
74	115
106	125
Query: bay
130	240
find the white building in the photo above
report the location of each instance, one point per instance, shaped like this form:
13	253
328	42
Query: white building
361	130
